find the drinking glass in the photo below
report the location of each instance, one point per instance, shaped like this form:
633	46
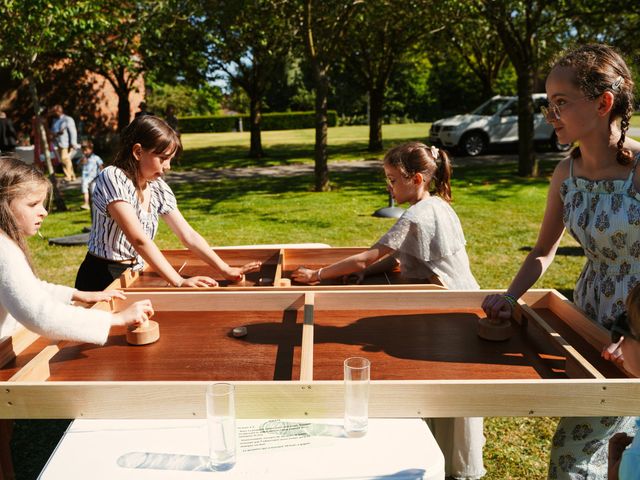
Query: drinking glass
357	372
221	421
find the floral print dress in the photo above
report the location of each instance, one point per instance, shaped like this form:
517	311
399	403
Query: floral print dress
604	217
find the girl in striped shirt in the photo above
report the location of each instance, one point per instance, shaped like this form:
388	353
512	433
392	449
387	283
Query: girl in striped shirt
129	198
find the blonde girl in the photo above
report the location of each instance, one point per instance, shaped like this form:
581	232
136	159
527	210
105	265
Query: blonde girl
25	300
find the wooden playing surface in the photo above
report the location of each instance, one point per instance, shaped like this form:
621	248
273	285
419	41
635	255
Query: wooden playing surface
402	344
277	263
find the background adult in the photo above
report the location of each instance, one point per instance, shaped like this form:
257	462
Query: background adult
65	137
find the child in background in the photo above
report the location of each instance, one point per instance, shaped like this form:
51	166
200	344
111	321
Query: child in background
129	198
42	307
625	464
429	244
91	164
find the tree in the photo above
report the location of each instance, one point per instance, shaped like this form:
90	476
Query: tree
530	32
35	36
383	33
248	40
136	36
324	30
475	41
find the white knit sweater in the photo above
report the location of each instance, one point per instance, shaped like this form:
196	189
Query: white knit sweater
42	307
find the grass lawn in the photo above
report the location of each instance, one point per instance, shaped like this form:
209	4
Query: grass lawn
499	211
285	147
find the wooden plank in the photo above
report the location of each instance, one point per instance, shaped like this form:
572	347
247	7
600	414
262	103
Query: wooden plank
326	299
306	363
299	288
318	257
392	399
594	333
128	278
38	368
14	345
234	257
188	300
278	275
576	365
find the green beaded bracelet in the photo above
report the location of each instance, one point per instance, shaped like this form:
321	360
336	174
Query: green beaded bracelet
513	301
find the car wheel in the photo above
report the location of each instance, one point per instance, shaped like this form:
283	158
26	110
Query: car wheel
473	144
557	146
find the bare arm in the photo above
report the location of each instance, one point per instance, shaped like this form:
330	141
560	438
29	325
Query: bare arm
125	216
384	264
200	247
543	252
352	264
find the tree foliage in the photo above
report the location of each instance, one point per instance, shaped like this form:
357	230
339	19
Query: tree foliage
248	41
382	35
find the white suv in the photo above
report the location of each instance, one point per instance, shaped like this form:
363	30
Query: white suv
493	122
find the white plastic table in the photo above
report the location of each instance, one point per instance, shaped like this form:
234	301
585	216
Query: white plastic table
267	449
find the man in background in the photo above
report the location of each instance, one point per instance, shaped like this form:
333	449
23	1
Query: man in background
65	137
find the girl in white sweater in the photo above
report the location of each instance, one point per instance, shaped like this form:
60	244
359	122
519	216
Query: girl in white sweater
42	307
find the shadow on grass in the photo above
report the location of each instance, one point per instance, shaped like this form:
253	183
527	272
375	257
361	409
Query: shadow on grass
32	443
498	181
235	156
203	195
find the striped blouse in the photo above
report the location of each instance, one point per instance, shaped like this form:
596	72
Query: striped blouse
107	240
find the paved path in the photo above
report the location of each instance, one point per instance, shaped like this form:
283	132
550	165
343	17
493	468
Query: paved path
200	175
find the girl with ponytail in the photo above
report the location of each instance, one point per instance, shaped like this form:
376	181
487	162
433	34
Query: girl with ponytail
427	241
428	244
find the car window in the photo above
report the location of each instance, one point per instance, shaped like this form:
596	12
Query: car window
491	107
510	110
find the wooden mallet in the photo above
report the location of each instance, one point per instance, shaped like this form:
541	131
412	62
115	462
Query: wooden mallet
144	334
495	330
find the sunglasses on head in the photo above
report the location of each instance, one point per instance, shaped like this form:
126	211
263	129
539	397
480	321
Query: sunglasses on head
621	328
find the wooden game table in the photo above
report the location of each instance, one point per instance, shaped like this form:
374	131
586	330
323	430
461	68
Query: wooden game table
427	360
277	264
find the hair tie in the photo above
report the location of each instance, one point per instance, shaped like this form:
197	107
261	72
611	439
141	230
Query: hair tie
435	153
615	86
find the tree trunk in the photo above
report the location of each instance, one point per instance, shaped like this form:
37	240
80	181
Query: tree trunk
124	107
321	154
527	162
376	105
255	109
44	146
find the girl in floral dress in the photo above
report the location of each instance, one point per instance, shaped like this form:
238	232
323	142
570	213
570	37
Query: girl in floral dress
594	194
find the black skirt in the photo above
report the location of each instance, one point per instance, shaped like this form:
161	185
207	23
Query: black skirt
97	273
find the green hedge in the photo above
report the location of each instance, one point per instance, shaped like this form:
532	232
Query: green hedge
270	121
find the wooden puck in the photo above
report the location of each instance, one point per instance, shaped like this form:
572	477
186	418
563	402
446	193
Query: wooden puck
494	330
146	333
284	282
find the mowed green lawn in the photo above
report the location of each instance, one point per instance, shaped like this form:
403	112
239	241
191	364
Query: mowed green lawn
499	211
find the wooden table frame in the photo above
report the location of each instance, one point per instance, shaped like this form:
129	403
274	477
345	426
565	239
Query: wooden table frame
28	393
